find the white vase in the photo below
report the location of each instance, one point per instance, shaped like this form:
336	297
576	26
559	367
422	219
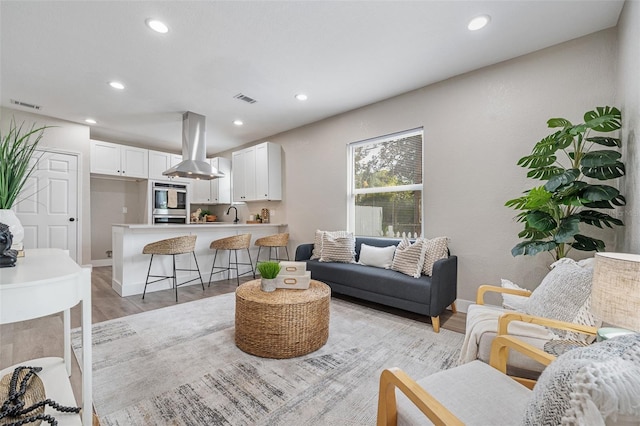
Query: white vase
8	217
268	285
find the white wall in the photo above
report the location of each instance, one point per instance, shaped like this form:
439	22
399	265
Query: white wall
476	127
629	100
70	137
108	197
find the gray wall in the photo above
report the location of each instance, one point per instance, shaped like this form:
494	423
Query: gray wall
629	101
476	127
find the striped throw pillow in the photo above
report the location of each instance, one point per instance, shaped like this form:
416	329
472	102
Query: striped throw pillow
409	258
436	249
338	248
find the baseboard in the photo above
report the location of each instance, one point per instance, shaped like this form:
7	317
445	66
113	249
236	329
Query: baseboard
102	262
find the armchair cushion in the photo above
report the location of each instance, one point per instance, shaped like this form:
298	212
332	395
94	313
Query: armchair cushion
501	401
564	295
482	326
593	385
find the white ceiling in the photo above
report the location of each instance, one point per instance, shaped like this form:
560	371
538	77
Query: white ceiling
343	55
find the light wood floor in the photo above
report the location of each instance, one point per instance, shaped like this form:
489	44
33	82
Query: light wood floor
43	336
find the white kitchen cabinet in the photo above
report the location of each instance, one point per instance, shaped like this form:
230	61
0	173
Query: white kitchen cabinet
244	174
215	191
257	173
268	171
119	160
161	161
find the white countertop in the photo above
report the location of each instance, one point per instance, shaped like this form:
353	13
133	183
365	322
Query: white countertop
197	225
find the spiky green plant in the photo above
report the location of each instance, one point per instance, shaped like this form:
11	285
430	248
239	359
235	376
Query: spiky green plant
552	213
17	160
269	269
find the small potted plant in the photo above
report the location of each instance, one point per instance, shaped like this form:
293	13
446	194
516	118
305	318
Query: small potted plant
268	271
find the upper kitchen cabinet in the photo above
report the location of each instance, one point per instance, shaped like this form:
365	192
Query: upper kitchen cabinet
215	191
257	173
161	161
268	171
119	160
244	174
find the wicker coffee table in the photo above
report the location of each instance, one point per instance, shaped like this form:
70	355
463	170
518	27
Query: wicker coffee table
284	323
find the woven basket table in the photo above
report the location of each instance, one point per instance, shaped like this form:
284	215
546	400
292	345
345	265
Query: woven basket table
284	323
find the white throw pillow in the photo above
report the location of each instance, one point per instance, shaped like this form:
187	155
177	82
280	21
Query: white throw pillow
409	258
380	257
595	385
436	249
338	248
565	295
513	301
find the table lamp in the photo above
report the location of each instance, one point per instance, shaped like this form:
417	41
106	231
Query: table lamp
615	293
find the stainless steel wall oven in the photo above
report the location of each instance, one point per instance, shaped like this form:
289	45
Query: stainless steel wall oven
169	203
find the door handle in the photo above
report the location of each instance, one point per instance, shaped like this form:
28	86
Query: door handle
72	219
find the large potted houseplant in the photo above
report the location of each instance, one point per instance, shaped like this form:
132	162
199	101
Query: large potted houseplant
574	162
18	161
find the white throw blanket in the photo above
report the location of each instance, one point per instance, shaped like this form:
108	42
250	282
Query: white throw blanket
484	319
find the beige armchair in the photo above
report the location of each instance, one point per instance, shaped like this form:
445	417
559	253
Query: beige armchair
479	394
485	323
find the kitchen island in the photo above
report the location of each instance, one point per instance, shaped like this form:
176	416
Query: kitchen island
130	265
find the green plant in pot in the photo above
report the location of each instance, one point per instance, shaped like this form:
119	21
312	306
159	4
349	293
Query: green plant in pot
18	161
269	270
574	163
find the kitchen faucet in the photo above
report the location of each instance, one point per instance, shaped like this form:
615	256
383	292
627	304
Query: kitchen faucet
236	220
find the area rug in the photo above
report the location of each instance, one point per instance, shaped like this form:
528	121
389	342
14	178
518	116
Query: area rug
179	366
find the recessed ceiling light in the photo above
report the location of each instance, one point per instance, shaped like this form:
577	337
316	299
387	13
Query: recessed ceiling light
301	97
478	22
90	121
116	85
157	26
238	122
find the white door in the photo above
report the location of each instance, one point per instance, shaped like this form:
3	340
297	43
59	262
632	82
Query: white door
48	207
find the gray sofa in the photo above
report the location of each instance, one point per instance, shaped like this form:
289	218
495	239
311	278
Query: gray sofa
425	295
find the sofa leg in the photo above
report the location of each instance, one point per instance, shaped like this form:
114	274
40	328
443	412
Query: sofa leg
435	322
453	308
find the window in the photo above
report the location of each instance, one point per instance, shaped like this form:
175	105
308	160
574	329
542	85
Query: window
385	188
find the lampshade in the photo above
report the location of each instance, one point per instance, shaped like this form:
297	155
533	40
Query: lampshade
615	291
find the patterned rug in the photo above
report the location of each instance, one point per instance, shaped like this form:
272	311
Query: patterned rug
179	366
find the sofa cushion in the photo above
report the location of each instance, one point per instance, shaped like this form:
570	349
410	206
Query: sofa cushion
376	280
409	258
436	249
513	301
338	248
380	257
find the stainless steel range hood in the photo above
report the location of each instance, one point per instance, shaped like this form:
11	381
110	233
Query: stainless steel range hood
194	151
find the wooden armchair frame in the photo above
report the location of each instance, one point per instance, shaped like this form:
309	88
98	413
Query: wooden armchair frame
393	378
508	317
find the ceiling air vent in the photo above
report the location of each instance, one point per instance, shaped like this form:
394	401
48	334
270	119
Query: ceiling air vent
245	98
24	104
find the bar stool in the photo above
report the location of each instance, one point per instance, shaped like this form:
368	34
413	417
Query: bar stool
234	243
172	246
273	242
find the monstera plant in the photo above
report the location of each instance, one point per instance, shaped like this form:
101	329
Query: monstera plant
574	162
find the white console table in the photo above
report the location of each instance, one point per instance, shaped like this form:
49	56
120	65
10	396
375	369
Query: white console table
45	282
